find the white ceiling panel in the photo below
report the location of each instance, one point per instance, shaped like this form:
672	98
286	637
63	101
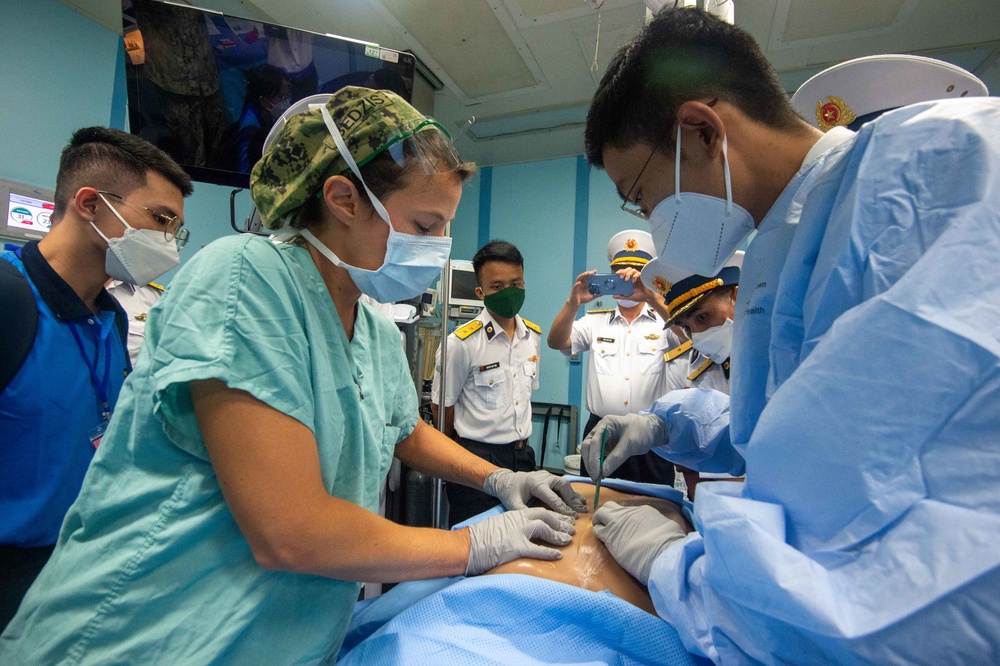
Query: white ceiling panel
823	21
485	54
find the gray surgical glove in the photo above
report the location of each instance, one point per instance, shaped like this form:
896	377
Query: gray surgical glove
635	536
515	490
629	435
506	537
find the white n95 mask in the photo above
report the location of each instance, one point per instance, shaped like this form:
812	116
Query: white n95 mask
139	256
715	343
411	262
697	232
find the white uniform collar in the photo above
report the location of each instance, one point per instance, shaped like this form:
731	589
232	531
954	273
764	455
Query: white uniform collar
831	139
520	329
121	284
647	311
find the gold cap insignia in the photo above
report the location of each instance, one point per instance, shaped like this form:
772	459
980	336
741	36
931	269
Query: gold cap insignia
631	244
661	285
833	113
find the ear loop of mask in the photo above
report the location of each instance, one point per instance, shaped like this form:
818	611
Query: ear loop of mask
346	154
725	167
115	213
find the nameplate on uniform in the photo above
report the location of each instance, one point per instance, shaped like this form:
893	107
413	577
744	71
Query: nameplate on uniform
608	340
491	366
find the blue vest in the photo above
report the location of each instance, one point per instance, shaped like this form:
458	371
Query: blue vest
50	407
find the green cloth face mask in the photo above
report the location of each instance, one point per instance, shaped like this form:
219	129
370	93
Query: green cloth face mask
505	303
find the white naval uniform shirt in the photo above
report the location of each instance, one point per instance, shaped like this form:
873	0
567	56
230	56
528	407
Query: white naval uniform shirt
681	368
490	379
136	301
626	371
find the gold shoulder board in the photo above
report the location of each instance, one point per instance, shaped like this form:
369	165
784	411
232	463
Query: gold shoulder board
701	368
676	351
532	325
462	332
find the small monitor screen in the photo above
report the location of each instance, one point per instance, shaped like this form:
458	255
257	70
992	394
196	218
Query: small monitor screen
28	213
463	285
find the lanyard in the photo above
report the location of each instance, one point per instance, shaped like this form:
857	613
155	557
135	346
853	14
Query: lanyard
101	386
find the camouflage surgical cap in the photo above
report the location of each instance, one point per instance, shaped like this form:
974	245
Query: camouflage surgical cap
303	155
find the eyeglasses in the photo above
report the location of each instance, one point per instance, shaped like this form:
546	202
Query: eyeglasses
172	225
635	209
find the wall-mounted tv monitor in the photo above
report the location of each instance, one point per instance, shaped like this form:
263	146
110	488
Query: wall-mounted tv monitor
206	87
28	210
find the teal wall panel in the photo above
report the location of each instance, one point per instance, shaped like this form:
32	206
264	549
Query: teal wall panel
532	207
62	71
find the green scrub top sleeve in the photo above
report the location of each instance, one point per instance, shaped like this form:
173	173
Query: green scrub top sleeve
234	313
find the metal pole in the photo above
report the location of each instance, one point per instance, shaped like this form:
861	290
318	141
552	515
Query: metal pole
443	297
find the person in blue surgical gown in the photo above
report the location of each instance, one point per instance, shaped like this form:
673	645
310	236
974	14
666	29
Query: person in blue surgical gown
865	396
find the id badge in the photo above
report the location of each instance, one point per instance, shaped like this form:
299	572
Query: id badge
97	434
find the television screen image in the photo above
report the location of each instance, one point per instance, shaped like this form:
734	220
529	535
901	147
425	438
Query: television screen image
207	87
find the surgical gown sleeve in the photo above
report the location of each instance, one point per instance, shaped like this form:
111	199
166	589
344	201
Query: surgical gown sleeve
698	431
867	529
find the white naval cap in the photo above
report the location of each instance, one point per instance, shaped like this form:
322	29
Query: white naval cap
630	248
856	91
681	289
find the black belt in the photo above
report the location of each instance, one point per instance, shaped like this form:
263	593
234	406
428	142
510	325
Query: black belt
517	444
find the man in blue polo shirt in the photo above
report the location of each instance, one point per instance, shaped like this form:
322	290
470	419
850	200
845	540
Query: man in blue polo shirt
118	214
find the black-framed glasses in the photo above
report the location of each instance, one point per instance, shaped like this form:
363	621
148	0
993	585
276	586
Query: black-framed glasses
172	225
636	209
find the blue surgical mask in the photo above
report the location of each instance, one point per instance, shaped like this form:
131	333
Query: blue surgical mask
697	232
411	262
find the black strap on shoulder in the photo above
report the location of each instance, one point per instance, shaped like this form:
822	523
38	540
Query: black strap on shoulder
18	321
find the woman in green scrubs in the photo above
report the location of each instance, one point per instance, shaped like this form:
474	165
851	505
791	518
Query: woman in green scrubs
229	511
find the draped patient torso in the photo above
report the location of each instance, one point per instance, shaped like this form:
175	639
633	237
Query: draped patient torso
586	562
